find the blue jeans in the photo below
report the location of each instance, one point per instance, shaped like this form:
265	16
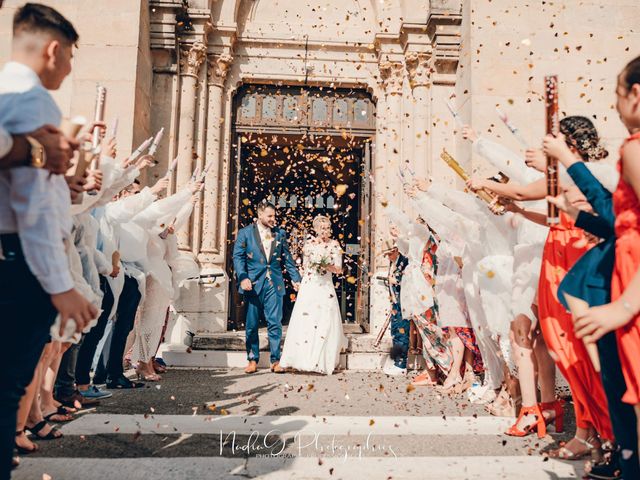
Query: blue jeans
400	337
26	314
269	302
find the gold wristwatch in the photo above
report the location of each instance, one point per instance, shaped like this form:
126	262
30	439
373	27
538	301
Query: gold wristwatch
38	155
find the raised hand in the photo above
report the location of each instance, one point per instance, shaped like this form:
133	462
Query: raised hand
556	147
563	203
145	161
109	148
58	148
534	158
160	186
76	186
469	133
94	180
475	183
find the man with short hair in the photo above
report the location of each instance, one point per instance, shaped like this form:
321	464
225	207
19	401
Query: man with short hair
35	220
259	253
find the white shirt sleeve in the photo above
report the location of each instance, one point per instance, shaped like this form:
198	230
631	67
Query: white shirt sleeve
508	162
6	142
123	210
40	229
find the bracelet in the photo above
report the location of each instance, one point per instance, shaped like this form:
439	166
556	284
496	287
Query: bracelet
628	308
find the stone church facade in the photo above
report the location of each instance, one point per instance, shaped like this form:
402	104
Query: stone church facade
227	77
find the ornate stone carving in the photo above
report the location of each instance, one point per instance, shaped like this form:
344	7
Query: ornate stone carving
218	67
392	75
420	68
191	58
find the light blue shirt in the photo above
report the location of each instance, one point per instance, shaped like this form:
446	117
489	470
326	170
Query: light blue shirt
34	203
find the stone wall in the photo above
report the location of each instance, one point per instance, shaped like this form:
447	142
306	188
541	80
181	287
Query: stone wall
509	46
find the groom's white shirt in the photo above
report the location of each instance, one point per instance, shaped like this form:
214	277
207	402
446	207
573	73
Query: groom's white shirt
266	237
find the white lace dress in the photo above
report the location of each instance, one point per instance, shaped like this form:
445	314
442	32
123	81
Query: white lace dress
314	337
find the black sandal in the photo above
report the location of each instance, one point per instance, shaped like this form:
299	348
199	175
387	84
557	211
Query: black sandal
23	450
62	410
49	417
54	434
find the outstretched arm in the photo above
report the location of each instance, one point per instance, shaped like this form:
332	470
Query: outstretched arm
532	191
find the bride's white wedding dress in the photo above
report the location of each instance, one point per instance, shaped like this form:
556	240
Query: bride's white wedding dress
314	337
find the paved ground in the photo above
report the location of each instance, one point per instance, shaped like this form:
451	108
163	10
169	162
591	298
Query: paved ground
204	424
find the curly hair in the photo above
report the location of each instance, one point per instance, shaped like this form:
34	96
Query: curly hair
582	135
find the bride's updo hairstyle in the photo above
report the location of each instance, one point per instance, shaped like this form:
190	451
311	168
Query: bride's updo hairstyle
319	221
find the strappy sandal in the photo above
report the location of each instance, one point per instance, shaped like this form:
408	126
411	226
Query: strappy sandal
563	453
62	410
61	417
539	426
54	433
23	450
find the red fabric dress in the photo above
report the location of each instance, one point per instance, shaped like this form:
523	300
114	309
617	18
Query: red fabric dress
627	209
564	246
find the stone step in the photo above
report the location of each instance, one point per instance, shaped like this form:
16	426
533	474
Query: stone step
235	341
227	350
355	361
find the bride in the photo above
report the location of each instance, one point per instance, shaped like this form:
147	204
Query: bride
314	338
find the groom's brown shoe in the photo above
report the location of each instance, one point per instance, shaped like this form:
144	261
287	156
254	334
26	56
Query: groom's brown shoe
252	367
276	368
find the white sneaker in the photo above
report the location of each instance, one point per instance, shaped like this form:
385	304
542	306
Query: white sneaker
391	369
476	392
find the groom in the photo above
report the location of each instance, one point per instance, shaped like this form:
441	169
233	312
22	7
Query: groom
259	253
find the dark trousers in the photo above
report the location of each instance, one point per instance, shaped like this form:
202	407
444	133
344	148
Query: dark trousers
26	314
400	337
90	343
66	378
113	350
623	416
269	302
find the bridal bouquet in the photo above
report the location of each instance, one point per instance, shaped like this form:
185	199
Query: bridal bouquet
319	262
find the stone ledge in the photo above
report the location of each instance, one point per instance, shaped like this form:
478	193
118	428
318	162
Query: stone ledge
235	341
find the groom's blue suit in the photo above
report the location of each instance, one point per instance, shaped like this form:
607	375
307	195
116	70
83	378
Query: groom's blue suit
266	275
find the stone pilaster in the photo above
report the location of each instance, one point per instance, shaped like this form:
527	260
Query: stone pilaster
191	59
211	245
420	70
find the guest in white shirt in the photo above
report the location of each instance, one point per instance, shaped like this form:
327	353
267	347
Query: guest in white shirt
35	280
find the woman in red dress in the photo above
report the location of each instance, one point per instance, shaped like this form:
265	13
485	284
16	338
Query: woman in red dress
622	314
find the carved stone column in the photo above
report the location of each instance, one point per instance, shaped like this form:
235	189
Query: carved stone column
420	68
217	68
392	75
191	58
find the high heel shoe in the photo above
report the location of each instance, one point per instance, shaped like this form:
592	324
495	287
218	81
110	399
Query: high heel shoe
540	425
558	418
